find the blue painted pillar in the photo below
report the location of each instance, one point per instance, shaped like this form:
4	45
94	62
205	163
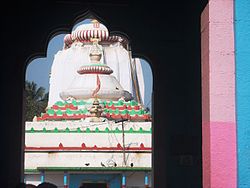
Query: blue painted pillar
65	179
146	180
42	176
123	181
242	46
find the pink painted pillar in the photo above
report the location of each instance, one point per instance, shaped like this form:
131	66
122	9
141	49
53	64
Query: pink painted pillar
218	95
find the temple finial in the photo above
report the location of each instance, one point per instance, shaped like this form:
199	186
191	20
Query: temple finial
95	51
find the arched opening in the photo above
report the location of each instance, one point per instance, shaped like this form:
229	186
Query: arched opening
173	46
88	104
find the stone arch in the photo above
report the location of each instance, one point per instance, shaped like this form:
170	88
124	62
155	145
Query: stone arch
41	21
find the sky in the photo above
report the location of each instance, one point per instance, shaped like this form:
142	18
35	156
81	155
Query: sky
38	70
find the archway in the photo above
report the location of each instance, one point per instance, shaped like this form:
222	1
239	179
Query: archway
175	79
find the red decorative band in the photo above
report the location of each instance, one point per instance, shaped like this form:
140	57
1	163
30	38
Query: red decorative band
144	117
85	36
83	147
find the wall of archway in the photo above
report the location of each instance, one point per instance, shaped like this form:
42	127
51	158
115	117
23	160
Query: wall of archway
160	32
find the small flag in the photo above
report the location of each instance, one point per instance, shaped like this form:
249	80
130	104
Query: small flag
98	85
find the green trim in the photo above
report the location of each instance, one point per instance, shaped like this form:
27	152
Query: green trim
92	169
116	111
97	130
31	171
118	103
110	107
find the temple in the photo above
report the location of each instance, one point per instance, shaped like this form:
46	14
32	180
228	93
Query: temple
95	130
115	53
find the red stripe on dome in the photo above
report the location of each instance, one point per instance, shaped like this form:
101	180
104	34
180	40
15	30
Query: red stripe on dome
81	35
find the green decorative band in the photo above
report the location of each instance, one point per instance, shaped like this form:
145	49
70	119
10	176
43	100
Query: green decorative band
76	109
87	130
51	112
109	103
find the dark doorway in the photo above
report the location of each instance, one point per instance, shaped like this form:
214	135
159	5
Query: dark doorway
94	185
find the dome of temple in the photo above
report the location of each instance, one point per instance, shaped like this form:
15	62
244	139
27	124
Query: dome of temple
95	80
93	25
83	33
93	29
84	85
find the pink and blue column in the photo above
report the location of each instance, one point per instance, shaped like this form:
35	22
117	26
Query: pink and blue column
218	95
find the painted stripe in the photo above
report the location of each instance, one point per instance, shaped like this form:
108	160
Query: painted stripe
87	131
123	180
88	34
42	176
65	178
146	179
82	37
83	147
78	35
